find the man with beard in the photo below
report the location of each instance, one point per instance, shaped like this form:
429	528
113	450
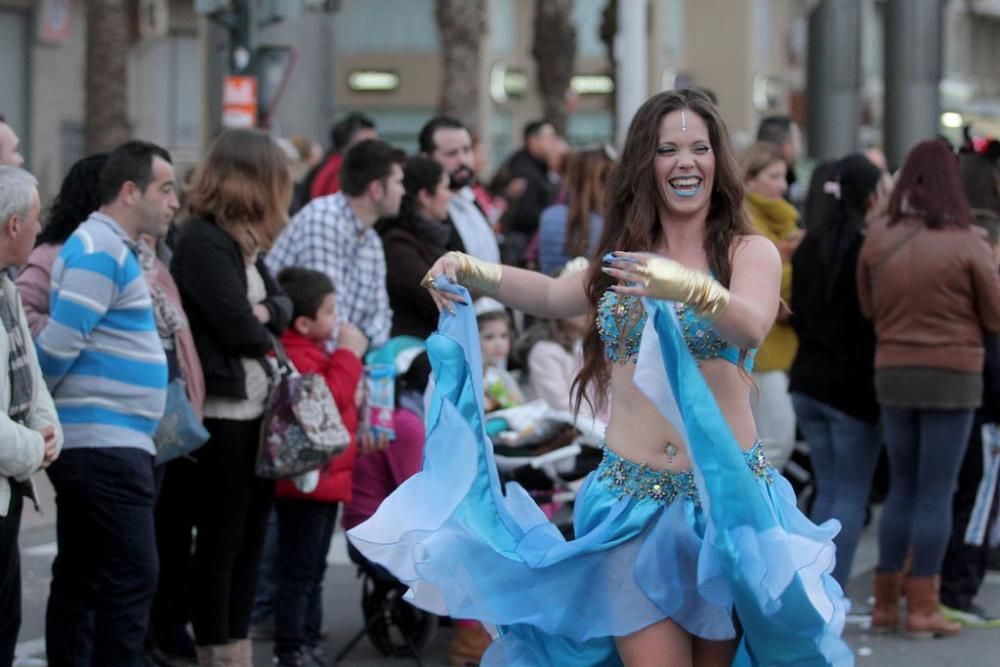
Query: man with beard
449	142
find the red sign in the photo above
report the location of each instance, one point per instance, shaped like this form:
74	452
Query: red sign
239	101
54	21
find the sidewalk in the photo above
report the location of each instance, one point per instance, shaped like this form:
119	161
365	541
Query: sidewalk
342	608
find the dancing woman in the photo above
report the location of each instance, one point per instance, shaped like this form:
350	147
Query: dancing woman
683	522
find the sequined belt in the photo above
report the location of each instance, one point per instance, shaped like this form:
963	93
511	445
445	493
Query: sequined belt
636	480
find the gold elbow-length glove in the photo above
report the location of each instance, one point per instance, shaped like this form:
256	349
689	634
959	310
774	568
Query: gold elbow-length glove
666	279
475	274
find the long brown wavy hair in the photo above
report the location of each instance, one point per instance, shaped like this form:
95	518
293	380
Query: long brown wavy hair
243	184
632	221
586	175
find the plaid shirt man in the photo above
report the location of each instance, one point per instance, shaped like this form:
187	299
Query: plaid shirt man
326	235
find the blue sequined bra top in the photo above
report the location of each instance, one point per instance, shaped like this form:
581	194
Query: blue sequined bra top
620	321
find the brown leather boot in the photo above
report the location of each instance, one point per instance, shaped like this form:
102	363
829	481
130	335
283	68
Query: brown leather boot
885	613
210	656
242	653
923	618
468	645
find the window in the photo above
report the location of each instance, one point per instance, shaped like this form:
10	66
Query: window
167	81
371	26
14	61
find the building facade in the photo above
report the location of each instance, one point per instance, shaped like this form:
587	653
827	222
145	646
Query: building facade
750	53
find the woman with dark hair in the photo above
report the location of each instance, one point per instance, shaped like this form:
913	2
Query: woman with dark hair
413	241
965	560
238	199
684	522
831	379
573	228
78	197
929	284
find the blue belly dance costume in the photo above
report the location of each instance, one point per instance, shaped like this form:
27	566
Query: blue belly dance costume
649	545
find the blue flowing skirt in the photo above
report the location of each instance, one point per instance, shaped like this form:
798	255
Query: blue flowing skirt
469	548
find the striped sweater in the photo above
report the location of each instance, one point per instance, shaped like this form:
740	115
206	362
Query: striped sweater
100	352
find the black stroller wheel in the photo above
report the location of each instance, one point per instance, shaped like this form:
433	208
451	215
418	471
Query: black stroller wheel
395	627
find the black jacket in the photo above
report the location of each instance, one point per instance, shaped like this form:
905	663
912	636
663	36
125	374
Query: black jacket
539	193
409	254
211	277
836	355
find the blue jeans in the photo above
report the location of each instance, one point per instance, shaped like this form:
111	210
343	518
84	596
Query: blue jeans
104	576
305	529
844	452
925	450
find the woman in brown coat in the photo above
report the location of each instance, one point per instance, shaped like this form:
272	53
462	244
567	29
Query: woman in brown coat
930	285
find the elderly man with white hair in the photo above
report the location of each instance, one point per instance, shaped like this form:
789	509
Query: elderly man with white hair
30	435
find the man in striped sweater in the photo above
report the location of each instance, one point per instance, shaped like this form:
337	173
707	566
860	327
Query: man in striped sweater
104	364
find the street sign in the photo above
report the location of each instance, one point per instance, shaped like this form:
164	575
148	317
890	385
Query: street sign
54	21
239	101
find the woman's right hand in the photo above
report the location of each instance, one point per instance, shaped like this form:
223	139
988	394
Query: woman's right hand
447	266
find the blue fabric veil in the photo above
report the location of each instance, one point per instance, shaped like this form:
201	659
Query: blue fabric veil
470	548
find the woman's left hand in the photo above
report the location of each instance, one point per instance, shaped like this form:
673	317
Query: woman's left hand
647	274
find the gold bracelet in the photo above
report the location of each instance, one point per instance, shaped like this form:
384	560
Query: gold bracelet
477	275
667	279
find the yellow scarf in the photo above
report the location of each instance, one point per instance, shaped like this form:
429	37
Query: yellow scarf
776	220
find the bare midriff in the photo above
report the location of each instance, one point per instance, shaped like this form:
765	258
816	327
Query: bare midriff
638	432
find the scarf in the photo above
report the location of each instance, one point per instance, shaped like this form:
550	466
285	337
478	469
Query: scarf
21	384
773	217
434	232
169	319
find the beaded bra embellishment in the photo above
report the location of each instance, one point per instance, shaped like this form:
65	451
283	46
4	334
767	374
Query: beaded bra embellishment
620	320
701	339
637	480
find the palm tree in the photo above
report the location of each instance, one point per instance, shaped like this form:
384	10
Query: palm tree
554	50
106	77
462	24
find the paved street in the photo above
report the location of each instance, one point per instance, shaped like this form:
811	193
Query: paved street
342	594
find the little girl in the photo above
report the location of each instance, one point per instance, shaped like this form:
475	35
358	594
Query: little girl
499	385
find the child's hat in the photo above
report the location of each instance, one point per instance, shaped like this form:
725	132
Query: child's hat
486	305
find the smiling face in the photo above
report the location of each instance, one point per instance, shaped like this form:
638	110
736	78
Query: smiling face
684	164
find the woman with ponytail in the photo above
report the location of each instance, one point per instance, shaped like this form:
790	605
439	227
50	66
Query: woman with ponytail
831	379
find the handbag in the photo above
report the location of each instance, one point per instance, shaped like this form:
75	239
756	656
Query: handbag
301	429
179	432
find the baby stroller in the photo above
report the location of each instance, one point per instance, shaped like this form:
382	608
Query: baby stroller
395	627
548	452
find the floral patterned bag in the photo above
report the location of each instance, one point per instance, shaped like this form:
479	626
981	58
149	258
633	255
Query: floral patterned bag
301	429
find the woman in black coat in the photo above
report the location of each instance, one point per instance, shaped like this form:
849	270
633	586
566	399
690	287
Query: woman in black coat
238	199
413	242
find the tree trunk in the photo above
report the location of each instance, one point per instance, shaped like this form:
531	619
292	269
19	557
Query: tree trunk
554	50
106	78
462	24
